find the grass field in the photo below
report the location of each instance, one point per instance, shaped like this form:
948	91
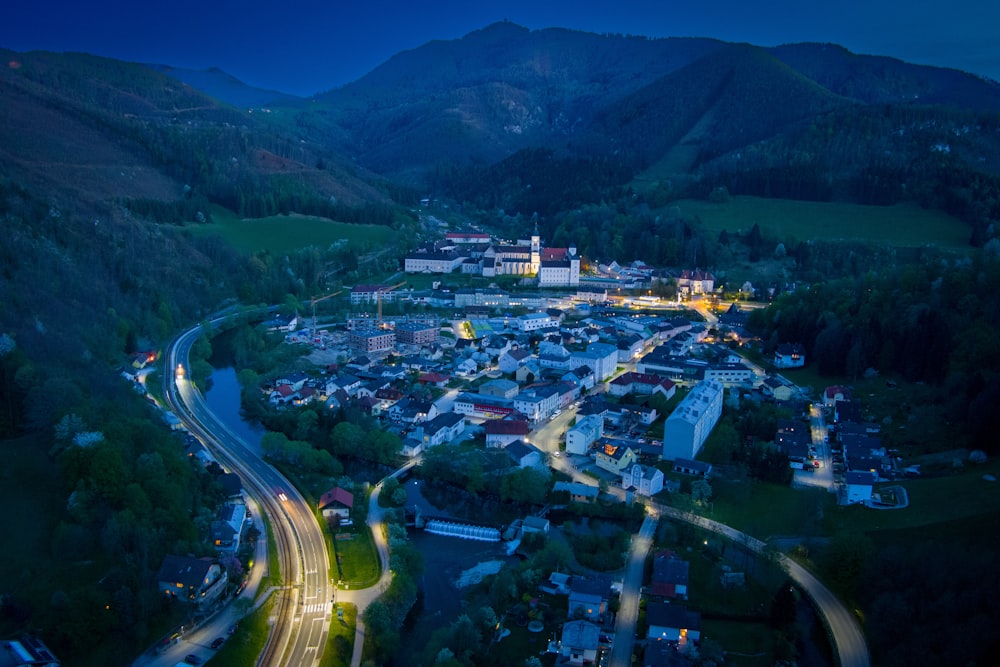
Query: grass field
245	645
357	557
902	225
340	641
746	644
288	233
766	510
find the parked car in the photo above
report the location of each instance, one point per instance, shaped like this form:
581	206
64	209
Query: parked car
217	642
192	659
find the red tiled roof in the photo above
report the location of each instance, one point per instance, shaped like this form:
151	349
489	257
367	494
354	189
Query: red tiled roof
336	495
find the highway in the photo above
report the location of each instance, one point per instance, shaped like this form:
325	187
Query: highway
304	608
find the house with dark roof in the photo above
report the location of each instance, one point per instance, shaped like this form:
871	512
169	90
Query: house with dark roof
692	467
790	355
500	432
195	580
578	491
670	576
672	623
588	599
524	455
615	456
443	428
336	502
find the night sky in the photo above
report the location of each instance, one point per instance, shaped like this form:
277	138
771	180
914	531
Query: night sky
308	46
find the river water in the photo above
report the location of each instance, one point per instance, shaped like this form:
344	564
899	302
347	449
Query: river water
223	398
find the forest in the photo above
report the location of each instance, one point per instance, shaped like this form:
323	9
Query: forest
930	322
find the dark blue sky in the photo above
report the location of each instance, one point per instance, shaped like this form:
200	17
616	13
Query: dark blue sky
307	46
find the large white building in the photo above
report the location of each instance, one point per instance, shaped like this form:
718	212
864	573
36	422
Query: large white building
559	267
688	426
600	357
586	432
432	262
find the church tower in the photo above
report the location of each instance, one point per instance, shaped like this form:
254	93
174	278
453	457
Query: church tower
536	249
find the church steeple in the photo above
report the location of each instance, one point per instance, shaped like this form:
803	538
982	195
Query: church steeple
536	249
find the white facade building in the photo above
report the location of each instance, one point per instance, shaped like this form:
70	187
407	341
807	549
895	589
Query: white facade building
600	357
584	434
692	420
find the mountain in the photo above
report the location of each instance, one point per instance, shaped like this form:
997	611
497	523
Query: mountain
504	88
226	88
492	117
97	131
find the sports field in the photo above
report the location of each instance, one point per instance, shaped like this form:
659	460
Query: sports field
288	233
902	225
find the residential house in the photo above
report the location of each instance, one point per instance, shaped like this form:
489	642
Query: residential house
443	428
195	580
646	480
630	347
495	346
511	360
670	576
790	355
641	383
439	380
224	537
774	388
615	456
581	376
524	455
836	393
692	420
579	643
588	599
692	467
500	387
336	502
228	526
466	367
586	431
412	410
672	623
578	491
643	414
500	432
859	486
295	380
535	525
412	447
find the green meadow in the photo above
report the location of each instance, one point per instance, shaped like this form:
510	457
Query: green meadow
288	233
902	225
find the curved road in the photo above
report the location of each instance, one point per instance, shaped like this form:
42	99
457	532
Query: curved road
304	613
849	644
